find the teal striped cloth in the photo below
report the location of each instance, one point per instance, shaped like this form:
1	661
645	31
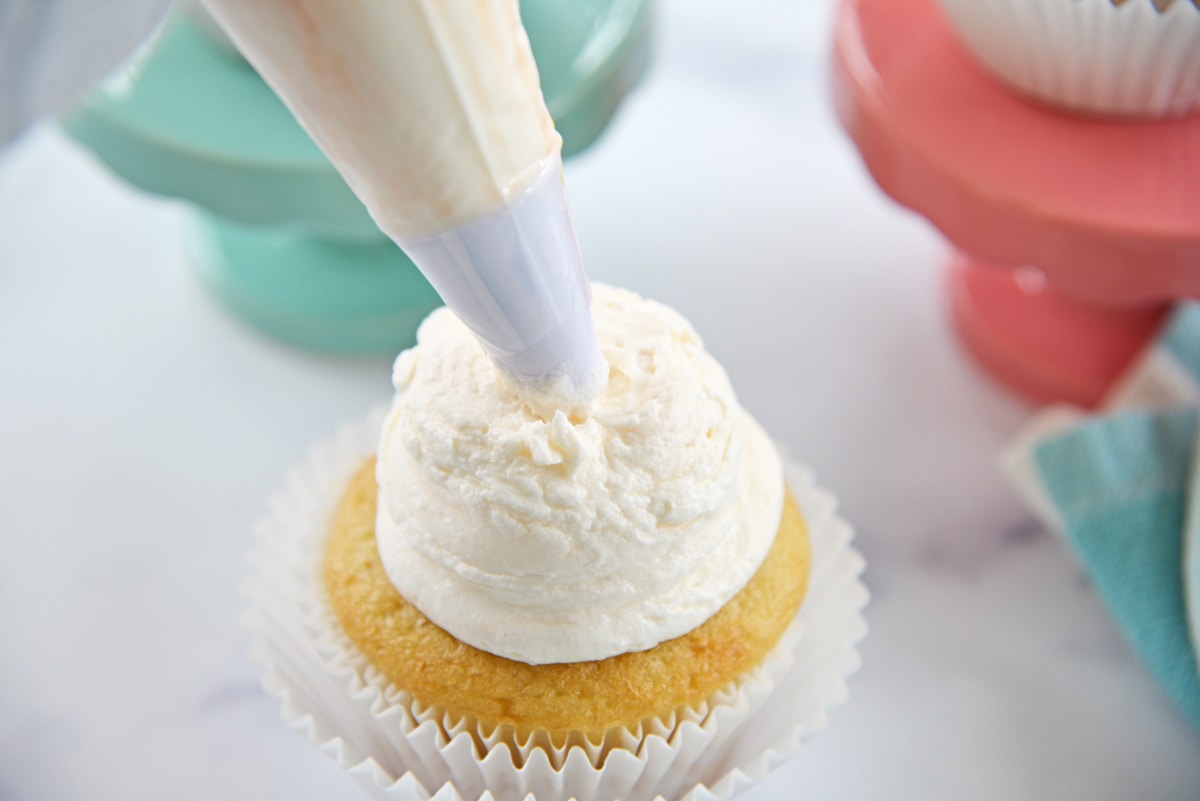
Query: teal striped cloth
1124	487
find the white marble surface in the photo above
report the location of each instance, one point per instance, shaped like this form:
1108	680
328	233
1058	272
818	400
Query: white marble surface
142	428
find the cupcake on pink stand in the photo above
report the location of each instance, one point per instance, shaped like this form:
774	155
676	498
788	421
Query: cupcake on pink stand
1052	142
1135	58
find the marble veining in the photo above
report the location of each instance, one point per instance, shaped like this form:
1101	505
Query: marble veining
232	693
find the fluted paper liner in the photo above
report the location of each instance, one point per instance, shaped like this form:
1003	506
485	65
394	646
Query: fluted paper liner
1093	56
397	748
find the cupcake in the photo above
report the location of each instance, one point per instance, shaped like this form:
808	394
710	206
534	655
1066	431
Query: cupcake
1136	58
597	603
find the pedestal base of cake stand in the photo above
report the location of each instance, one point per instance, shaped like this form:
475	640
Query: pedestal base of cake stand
330	293
1038	341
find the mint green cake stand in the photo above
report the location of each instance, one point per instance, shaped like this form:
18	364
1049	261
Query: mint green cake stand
276	234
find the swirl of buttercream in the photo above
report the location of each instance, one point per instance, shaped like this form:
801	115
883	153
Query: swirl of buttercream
573	538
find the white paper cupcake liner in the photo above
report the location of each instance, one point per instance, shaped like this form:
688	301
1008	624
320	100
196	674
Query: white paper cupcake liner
1088	55
396	748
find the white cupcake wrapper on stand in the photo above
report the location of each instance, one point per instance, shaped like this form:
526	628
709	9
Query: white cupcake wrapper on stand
1088	55
396	749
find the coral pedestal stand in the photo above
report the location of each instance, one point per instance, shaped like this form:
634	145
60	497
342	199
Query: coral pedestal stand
1072	235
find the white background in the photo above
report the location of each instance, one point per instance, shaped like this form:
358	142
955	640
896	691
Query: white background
141	429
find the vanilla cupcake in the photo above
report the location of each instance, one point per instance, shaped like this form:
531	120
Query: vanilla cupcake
607	598
1109	57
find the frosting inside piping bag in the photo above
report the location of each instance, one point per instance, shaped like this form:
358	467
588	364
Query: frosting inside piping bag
433	112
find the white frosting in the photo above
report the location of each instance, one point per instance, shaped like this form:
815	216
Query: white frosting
431	109
573	538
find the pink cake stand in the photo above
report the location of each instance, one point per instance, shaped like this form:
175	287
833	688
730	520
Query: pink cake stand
1072	234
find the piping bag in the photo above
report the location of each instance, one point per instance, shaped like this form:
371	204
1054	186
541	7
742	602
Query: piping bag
433	113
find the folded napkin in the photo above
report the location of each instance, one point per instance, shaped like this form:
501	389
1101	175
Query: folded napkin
1123	486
